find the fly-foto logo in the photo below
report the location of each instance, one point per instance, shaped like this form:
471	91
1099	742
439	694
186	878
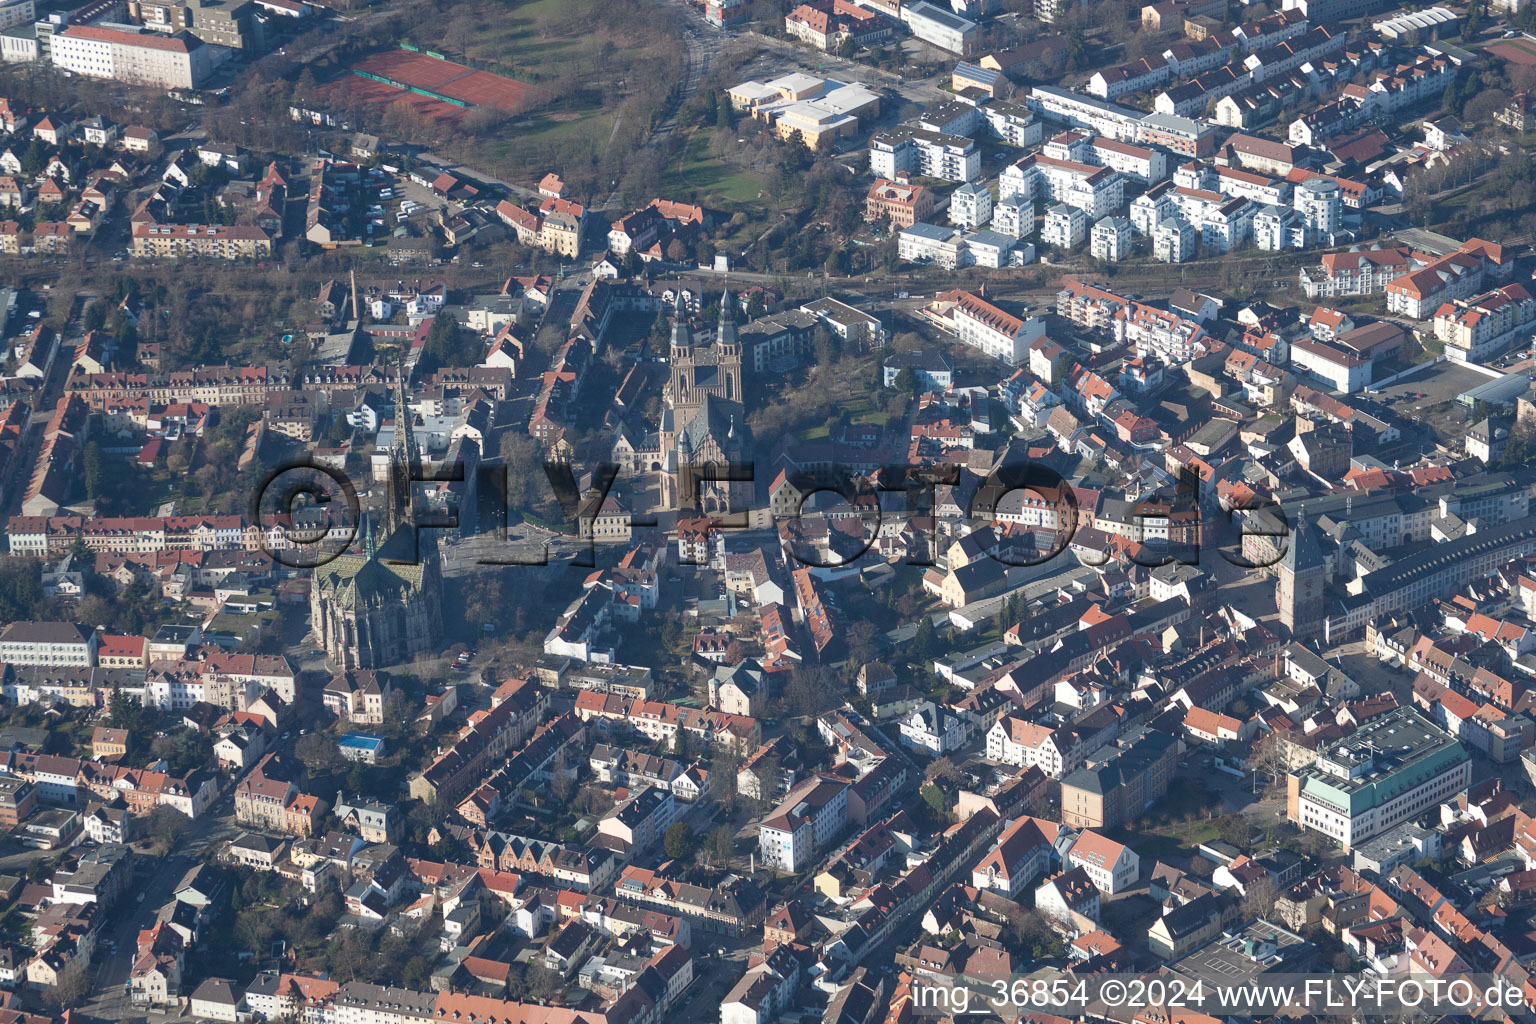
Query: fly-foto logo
309	513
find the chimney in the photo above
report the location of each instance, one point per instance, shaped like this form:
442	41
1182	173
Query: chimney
355	314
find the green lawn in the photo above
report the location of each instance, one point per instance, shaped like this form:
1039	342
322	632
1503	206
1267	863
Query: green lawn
716	182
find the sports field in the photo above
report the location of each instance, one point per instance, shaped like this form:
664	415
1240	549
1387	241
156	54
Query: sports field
1516	51
424	77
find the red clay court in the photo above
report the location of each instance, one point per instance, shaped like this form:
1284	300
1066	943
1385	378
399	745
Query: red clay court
405	71
1516	51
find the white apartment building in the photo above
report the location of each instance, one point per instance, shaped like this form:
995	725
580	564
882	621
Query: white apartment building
1240	184
940	27
57	644
1111	239
1078	111
999	334
1014	217
1228	226
124	53
1065	227
1279	227
970	206
1152	207
1142	164
1321	206
1174	241
1474	329
17	12
986	248
809	819
914	151
1097	191
1013	123
931	243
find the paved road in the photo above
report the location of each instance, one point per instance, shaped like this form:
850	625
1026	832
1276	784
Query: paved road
156	883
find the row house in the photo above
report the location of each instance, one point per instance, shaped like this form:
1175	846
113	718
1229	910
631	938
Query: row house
517	707
660	721
269	797
582	868
1134	76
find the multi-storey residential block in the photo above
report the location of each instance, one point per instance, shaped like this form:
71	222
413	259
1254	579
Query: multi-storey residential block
1014	217
1174	241
970	206
1097	191
1474	329
1065	227
60	644
1279	227
939	27
1111	239
911	151
134	56
217	241
999	334
1357	272
813	815
931	243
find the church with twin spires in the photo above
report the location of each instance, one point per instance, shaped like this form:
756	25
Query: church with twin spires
704	424
383	606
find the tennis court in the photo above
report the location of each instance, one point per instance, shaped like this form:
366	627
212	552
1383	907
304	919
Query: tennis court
446	81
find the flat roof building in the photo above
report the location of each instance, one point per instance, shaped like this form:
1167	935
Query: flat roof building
1393	769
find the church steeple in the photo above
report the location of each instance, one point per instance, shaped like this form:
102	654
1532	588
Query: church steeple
404	458
725	331
727	348
682	335
370	544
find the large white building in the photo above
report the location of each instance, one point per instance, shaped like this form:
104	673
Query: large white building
1279	227
940	27
909	150
1014	217
931	243
1474	329
1174	241
1395	767
124	53
1111	239
1321	206
59	644
1065	227
970	206
1097	191
996	332
810	818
